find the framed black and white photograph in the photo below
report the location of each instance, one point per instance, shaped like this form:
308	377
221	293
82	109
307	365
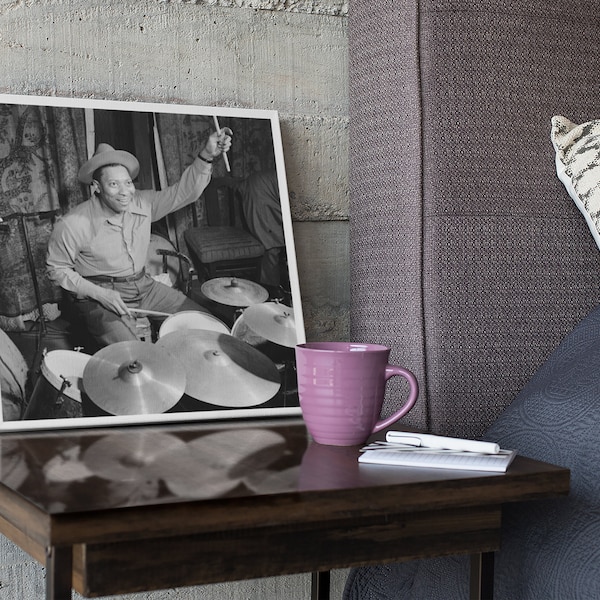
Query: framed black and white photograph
147	263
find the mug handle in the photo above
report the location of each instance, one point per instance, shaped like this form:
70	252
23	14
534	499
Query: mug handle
391	371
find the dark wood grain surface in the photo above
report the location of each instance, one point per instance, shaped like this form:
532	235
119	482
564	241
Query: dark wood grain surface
154	507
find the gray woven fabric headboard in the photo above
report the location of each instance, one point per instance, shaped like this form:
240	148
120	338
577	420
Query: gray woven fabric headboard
467	255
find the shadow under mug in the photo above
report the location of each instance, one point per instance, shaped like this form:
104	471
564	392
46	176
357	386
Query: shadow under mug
341	388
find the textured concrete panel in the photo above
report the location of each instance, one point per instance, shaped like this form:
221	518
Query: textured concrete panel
323	271
161	52
156	51
317	7
285	55
316	159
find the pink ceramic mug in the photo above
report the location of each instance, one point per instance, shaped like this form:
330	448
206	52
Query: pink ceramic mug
341	387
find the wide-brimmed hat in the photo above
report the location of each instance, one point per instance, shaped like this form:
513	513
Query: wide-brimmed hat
107	155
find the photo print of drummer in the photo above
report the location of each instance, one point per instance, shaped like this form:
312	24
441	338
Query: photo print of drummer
148	266
98	250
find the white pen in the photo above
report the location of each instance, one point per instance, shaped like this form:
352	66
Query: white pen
438	441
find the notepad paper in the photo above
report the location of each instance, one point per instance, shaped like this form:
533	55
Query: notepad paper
437	459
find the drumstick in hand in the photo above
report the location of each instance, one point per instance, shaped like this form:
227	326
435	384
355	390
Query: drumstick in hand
225	158
154	313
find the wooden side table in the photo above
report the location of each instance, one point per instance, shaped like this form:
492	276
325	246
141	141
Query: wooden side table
129	509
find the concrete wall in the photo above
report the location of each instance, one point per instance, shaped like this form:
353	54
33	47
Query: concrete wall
282	55
285	55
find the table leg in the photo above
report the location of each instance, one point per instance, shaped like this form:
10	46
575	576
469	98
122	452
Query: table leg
59	572
482	576
320	585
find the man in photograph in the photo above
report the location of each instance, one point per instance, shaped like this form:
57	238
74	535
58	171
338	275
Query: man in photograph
98	251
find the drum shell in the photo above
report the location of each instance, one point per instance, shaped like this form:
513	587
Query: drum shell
13	379
47	400
242	331
192	319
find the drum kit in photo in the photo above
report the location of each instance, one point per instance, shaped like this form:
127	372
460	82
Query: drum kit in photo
197	362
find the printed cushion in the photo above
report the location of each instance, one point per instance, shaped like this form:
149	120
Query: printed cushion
577	150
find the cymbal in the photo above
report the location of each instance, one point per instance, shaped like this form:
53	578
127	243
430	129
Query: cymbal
66	466
134	378
222	370
132	457
13	462
274	322
226	457
206	467
263	480
234	292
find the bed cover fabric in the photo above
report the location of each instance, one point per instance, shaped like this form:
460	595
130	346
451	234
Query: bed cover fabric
468	257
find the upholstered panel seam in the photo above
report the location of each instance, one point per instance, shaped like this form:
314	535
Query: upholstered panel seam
424	383
386	188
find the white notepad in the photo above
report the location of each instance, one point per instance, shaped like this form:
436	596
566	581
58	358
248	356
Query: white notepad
439	459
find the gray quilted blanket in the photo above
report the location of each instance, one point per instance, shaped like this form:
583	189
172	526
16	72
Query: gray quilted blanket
550	549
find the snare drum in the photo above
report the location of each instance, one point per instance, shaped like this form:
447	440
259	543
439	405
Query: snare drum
192	319
59	388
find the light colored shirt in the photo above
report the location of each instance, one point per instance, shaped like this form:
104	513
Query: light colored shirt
93	240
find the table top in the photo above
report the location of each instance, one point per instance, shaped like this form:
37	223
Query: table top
70	477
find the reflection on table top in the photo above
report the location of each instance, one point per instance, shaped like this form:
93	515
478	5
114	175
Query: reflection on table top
86	470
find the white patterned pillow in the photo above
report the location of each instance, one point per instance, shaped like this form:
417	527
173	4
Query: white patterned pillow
578	166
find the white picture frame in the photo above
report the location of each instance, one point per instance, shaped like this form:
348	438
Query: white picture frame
46	379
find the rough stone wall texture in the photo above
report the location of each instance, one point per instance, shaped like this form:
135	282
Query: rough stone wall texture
23	579
318	7
284	55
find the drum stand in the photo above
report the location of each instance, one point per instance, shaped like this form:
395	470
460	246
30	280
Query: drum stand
42	329
290	381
